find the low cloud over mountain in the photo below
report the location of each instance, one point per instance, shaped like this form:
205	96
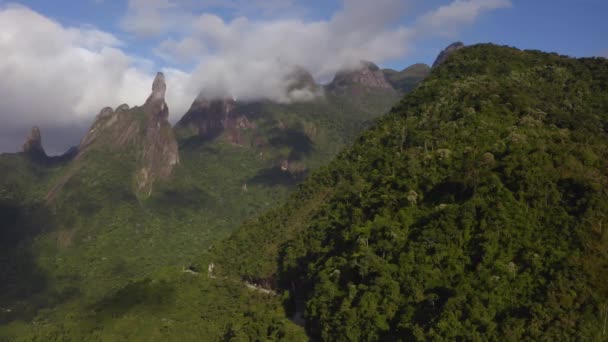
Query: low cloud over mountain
60	79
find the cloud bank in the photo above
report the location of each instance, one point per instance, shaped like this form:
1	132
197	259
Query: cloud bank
59	77
252	59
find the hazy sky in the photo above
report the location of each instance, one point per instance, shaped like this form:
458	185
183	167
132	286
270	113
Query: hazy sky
62	61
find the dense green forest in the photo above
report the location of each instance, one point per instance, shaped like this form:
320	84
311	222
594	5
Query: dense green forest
76	230
475	210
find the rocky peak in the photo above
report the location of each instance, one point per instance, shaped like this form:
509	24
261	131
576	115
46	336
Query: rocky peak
155	105
105	112
145	130
443	55
210	117
33	143
159	87
160	153
367	74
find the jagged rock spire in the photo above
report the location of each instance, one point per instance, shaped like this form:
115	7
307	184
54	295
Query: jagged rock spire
443	55
159	87
156	105
33	143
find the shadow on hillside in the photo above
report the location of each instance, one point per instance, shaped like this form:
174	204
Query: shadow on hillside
147	293
274	176
295	139
180	199
21	280
197	140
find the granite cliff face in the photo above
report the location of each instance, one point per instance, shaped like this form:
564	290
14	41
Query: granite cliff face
143	132
368	75
209	118
316	119
159	153
33	144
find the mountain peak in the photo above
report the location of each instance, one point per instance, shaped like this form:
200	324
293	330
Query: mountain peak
142	130
33	143
208	118
366	74
445	53
159	87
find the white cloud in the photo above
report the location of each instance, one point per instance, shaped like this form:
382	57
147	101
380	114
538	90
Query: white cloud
59	77
252	59
448	18
55	76
147	18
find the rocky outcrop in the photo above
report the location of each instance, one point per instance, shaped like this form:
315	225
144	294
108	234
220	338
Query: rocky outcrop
208	119
159	153
443	55
33	144
367	75
144	132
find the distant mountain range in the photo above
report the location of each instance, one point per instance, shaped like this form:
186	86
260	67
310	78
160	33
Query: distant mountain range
137	195
461	202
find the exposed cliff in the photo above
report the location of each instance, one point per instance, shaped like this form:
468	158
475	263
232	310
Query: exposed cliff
142	133
367	75
33	144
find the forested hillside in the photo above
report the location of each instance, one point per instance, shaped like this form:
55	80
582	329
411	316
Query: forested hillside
475	210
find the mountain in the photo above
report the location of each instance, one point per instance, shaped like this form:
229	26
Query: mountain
473	211
33	145
138	199
296	136
443	55
408	79
367	75
142	132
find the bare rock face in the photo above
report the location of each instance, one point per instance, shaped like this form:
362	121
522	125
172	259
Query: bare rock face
160	150
367	75
443	56
159	87
33	144
144	131
209	118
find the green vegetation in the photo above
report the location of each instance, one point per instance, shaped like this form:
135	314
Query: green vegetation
407	79
93	238
475	210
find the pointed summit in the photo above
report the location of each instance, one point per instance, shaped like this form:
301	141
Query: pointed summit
33	143
155	105
159	87
443	55
143	131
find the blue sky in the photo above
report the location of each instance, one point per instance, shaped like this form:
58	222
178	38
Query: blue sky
76	57
576	28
